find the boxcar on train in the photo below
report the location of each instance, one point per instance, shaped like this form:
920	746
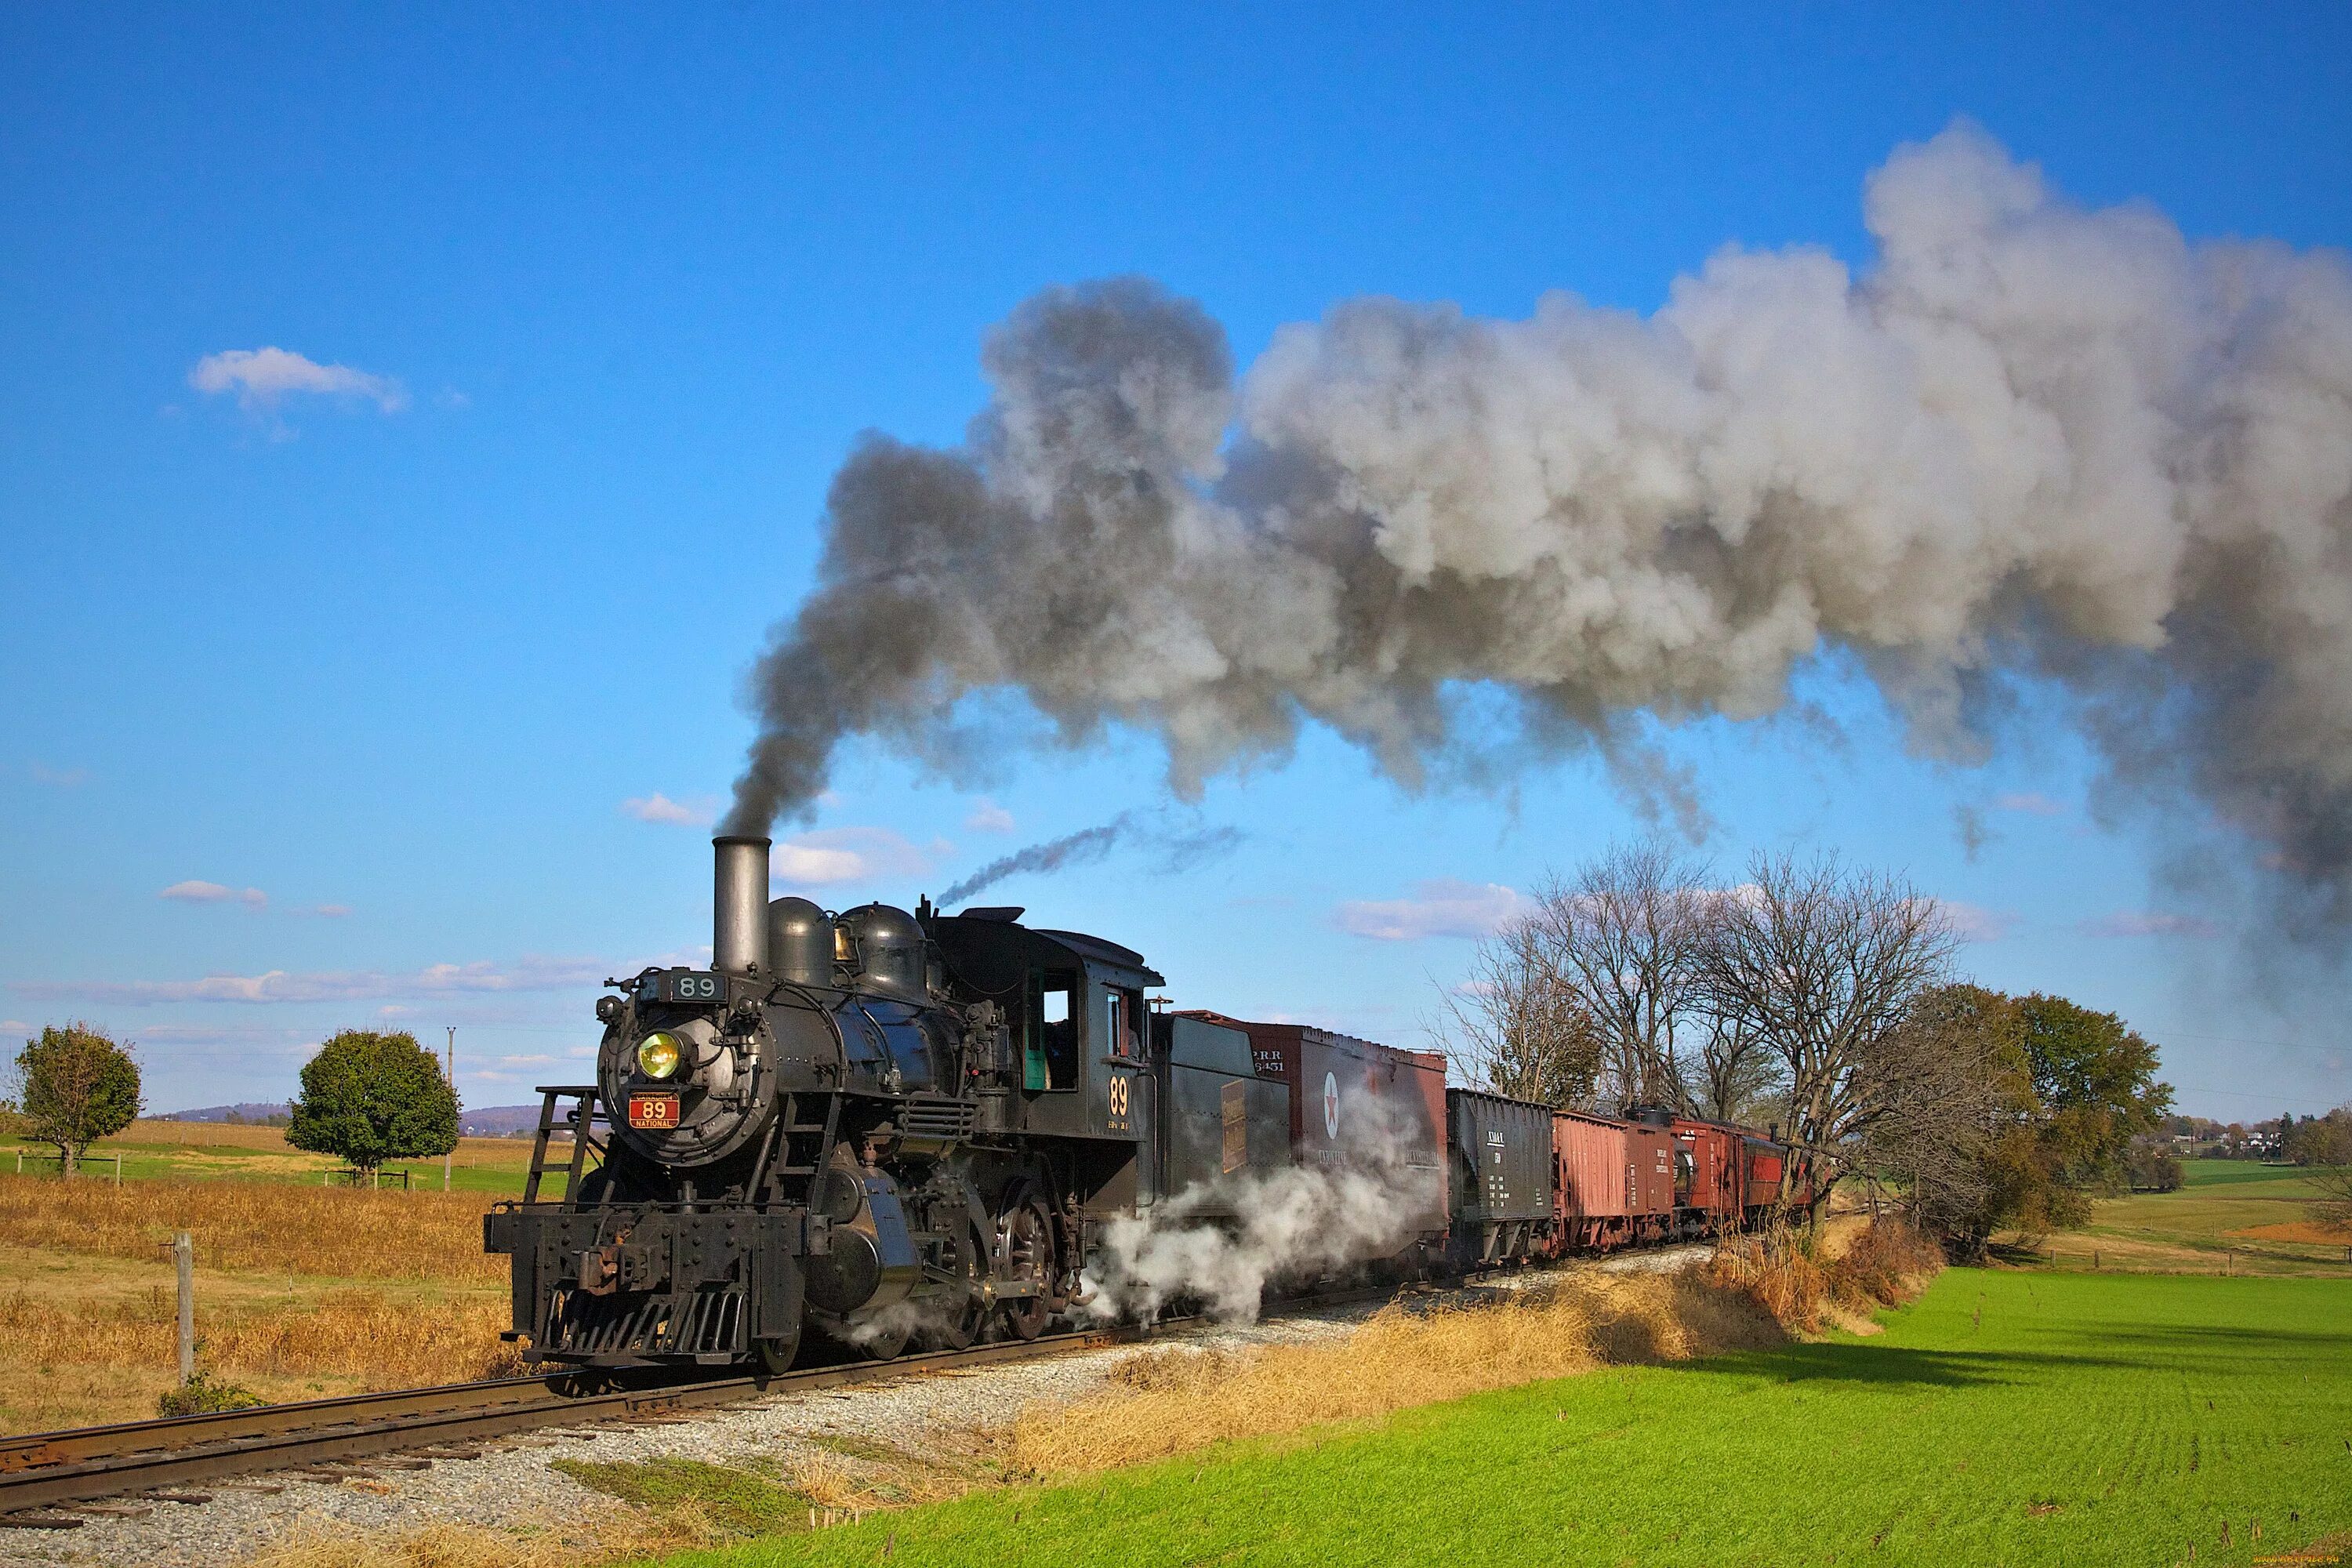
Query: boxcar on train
1501	1182
1357	1102
1221	1125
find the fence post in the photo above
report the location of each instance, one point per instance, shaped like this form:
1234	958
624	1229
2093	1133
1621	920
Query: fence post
118	1167
183	1262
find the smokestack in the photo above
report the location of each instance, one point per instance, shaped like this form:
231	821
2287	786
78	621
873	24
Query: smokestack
738	901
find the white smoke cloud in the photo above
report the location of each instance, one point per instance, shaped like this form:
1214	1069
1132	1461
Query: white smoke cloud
659	807
1442	906
262	377
837	855
1220	1245
2032	443
197	892
1296	1222
279	985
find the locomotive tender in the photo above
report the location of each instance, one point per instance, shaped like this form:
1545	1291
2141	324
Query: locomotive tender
887	1127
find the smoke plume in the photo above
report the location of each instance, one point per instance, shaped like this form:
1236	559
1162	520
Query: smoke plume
1079	848
1179	849
2032	443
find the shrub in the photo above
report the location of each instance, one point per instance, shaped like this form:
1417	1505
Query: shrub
200	1395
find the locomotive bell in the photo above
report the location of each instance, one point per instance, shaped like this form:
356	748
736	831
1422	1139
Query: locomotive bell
739	926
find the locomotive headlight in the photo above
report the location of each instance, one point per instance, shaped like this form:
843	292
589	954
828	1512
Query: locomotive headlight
659	1053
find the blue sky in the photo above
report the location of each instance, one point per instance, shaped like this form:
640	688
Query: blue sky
614	295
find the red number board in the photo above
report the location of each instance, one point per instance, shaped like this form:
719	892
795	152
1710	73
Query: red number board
652	1110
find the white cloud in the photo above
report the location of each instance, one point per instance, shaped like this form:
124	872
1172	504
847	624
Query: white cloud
196	893
2148	922
279	985
851	855
1974	922
2031	802
260	377
58	778
1445	907
658	807
989	817
329	912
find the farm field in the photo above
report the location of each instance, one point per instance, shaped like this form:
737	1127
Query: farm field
302	1291
2229	1216
2011	1416
216	1151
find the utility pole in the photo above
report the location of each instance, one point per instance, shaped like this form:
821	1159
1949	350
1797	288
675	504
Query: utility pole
183	1264
449	1070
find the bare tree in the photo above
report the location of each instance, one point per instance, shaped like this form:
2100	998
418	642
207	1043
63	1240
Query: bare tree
1735	1068
1523	1027
1824	963
1629	934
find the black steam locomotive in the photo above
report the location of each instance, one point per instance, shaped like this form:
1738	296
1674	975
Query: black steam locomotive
886	1128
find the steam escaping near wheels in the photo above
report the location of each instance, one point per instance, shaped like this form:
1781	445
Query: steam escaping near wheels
1293	1225
2031	444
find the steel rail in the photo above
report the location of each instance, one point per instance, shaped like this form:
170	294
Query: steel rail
49	1469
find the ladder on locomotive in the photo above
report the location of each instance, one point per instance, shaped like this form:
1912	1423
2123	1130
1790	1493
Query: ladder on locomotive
581	1118
797	1148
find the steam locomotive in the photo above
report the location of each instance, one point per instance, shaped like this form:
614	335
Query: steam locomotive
880	1129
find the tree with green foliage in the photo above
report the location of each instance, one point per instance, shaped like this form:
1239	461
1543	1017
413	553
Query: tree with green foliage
2152	1166
76	1086
2094	1077
368	1098
2041	1103
2322	1146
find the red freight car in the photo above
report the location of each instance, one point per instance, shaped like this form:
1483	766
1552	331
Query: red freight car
1595	1189
1653	1151
1708	1154
1359	1103
1763	1164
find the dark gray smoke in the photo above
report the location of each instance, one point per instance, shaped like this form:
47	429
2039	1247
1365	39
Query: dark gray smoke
1180	850
2032	443
1079	848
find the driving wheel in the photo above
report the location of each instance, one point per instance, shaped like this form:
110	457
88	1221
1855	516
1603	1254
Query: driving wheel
1027	1231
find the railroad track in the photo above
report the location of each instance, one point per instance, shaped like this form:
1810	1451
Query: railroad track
144	1464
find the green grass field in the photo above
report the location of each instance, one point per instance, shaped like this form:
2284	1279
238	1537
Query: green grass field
2011	1417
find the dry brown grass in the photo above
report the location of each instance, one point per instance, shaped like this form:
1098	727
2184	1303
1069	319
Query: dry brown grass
266	1227
1809	1280
1176	1400
618	1533
78	1363
349	1333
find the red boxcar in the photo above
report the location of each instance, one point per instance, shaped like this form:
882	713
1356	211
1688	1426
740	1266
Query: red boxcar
1709	1154
1653	1177
1762	1162
1593	1191
1359	1103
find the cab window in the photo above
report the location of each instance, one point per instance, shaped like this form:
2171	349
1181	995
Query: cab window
1050	1057
1122	1024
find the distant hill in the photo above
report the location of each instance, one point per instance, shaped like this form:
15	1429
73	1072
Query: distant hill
249	1112
497	1121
